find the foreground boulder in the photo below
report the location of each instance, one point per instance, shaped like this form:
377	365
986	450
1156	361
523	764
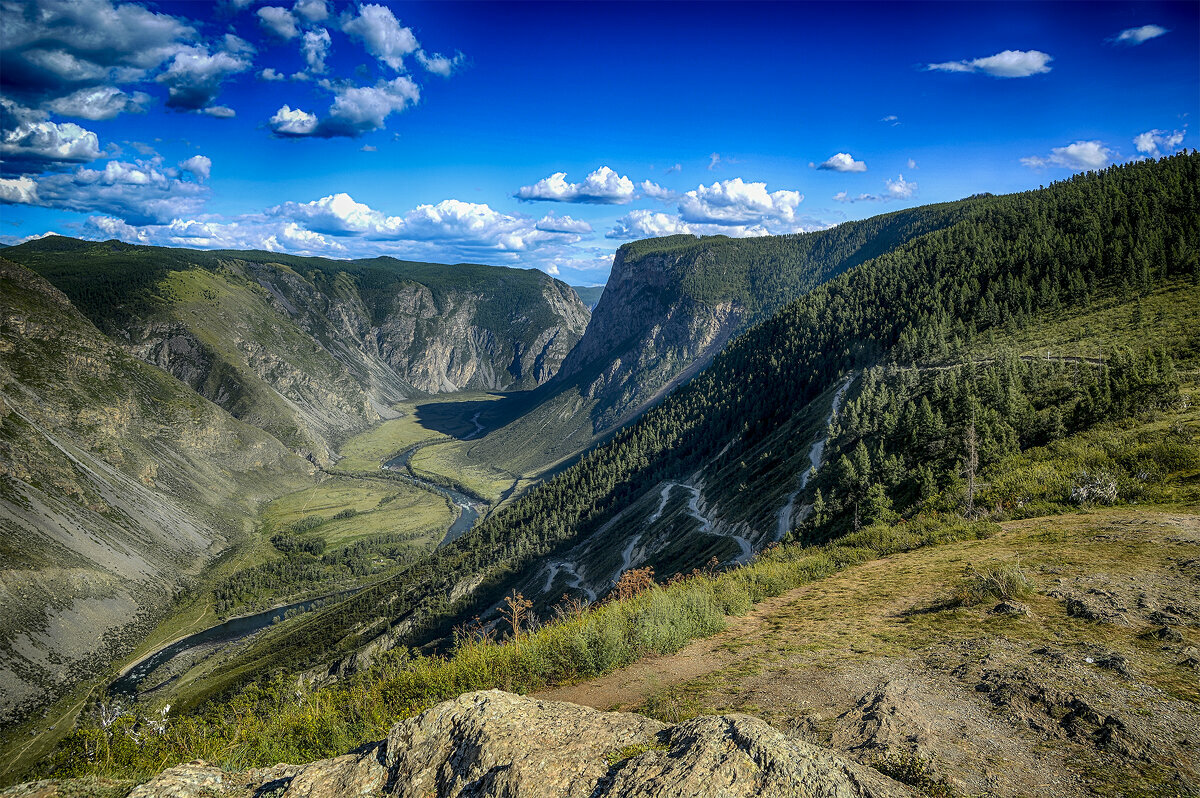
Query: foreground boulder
493	743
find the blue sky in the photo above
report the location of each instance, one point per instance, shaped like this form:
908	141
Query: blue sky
545	135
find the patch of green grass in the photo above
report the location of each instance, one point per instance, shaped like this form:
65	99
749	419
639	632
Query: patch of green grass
1000	581
379	507
620	755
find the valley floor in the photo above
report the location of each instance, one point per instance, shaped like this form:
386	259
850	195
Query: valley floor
1088	687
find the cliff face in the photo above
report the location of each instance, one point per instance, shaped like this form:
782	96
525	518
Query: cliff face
647	334
117	484
497	744
313	350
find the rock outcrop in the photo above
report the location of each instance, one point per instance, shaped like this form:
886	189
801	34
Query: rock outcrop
493	743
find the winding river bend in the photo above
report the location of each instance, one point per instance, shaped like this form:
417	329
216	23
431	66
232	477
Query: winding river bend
468	508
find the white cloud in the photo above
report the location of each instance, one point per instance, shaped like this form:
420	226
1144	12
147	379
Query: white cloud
469	225
900	188
56	48
1006	64
279	21
198	165
355	110
897	189
563	224
19	191
714	161
30	146
439	64
601	187
138	192
219	111
552	270
1154	143
194	77
736	202
289	122
382	35
368	148
98	103
315	47
655	191
1079	155
730	207
311	10
270	74
891	119
673	168
912	164
843	162
1135	36
647	224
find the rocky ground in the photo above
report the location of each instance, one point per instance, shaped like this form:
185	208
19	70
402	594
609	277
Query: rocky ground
497	744
1090	686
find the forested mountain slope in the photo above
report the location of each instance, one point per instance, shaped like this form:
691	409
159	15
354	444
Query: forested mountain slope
311	349
117	484
669	306
736	438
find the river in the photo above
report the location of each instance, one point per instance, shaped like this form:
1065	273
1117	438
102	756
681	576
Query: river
127	683
468	508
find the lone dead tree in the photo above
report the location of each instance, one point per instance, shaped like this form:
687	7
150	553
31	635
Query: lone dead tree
518	614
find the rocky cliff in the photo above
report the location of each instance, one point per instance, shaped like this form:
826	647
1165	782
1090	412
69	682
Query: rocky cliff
117	484
497	744
312	350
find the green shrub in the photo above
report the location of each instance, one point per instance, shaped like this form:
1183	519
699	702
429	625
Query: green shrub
1001	581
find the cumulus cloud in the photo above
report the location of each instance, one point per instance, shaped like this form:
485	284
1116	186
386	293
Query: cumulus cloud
19	191
900	188
98	103
293	122
1154	143
1006	64
279	21
655	191
315	47
311	10
382	34
1132	37
736	202
601	187
194	76
563	224
729	207
439	64
140	192
647	224
28	146
270	74
468	225
55	48
1079	155
843	162
355	110
198	165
